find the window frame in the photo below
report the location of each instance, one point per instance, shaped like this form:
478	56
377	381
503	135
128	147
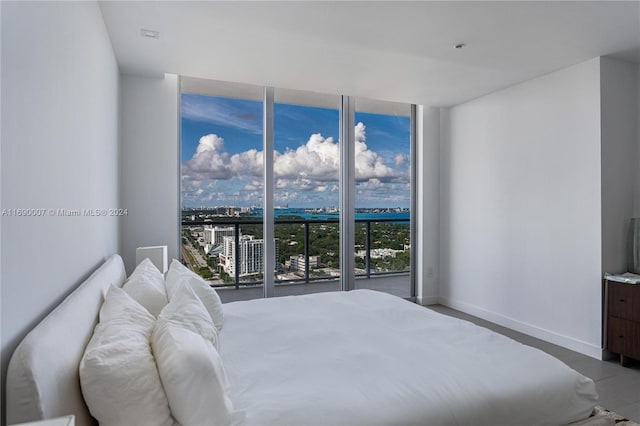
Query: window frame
346	178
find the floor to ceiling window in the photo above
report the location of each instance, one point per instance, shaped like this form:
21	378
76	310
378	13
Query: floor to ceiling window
242	143
222	185
306	191
383	195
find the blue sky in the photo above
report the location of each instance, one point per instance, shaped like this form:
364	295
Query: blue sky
222	155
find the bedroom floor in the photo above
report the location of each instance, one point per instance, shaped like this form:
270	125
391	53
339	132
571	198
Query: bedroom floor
617	386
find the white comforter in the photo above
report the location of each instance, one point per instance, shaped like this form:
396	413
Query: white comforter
365	358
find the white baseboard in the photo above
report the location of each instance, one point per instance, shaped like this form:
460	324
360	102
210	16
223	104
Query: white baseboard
531	330
427	300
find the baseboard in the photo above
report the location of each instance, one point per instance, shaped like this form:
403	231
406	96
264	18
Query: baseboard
428	300
522	327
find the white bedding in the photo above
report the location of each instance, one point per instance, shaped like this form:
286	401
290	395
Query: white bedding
365	358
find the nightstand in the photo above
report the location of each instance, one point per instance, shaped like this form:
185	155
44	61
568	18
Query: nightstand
58	421
622	319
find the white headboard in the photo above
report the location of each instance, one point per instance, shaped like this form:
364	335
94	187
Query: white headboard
42	378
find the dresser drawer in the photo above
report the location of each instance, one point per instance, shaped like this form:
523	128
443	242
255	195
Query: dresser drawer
623	337
624	301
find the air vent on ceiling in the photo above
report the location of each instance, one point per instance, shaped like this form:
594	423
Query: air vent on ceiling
150	34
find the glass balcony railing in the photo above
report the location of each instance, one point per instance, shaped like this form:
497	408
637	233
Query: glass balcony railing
228	252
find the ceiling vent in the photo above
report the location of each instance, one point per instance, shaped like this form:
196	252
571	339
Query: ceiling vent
150	34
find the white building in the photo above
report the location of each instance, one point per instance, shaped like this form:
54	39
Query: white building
214	235
251	255
297	262
378	253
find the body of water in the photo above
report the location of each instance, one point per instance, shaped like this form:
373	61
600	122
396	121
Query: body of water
404	215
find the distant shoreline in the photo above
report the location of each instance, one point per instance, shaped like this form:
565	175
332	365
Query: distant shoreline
328	216
305	214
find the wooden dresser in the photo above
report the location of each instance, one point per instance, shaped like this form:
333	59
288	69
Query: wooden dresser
622	319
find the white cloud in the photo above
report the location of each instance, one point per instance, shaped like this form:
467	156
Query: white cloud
361	134
312	167
317	159
247	163
210	142
400	160
372	183
255	185
371	192
286	196
368	163
210	160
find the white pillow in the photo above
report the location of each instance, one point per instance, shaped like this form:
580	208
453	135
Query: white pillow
146	286
193	377
118	375
179	274
187	311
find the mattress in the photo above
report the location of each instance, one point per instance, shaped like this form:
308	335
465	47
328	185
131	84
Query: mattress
365	358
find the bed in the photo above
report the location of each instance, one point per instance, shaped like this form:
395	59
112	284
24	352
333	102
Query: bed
359	357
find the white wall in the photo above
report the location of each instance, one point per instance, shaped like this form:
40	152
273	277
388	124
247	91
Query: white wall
428	193
520	207
149	165
59	150
619	104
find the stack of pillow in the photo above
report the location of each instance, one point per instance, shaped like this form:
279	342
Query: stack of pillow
153	357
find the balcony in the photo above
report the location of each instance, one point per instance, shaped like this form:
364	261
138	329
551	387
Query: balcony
307	256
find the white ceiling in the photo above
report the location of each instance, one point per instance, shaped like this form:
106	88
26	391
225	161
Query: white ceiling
401	51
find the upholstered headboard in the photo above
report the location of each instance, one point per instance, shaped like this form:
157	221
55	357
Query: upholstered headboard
42	378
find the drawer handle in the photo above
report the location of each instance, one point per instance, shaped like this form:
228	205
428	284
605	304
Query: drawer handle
620	337
622	300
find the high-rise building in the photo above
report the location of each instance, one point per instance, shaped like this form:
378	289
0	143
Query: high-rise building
251	255
214	235
251	252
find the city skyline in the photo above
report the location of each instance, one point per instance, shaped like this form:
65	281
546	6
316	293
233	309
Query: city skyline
222	157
